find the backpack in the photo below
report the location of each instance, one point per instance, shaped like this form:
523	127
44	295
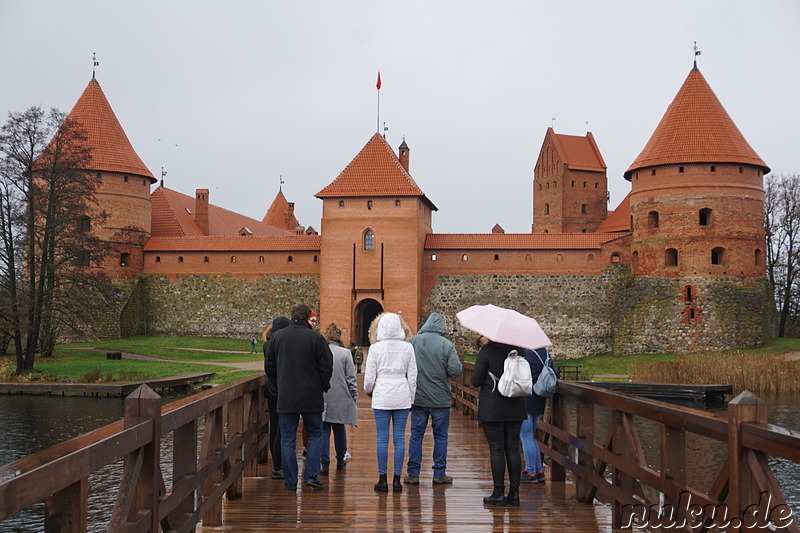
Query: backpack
516	379
546	383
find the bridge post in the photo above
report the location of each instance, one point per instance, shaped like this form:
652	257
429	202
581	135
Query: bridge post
742	487
584	490
235	431
65	511
561	421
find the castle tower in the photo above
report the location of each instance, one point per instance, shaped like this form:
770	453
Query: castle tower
569	185
281	214
124	190
697	198
374	222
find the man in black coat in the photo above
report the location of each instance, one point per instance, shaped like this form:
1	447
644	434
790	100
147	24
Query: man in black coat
299	362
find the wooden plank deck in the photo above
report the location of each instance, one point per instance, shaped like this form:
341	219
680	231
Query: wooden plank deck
348	502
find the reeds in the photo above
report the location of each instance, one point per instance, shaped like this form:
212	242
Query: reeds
762	374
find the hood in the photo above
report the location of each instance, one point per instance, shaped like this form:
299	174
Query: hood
279	323
390	328
434	324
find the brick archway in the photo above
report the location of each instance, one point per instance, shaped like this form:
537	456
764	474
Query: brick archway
365	312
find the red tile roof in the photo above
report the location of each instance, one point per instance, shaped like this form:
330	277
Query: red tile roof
517	241
696	129
375	171
173	216
111	149
578	153
618	219
279	214
287	243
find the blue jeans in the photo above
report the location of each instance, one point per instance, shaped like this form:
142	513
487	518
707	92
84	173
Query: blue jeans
530	449
312	422
339	440
440	422
398	418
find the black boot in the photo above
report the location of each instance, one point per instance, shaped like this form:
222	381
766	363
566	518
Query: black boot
396	485
513	496
324	467
496	498
381	485
340	464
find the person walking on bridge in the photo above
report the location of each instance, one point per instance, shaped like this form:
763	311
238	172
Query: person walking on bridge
437	362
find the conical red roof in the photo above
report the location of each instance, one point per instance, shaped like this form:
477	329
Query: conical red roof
375	171
111	149
696	129
280	215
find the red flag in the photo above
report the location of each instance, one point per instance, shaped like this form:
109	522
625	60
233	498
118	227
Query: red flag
378	85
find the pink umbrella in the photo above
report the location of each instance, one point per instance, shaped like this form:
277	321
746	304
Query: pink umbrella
504	325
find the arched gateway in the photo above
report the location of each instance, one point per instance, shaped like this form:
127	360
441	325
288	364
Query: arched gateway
365	313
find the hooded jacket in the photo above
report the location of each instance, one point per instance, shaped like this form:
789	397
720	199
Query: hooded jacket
437	362
391	373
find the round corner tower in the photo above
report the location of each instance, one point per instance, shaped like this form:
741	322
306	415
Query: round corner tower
123	194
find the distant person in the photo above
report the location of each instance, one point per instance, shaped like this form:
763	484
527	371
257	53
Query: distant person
437	362
358	358
271	393
534	471
501	418
340	401
299	363
391	379
253	343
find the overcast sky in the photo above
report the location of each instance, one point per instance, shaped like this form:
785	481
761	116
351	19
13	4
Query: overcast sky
231	95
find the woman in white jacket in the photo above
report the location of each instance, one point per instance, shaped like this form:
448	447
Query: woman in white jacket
391	380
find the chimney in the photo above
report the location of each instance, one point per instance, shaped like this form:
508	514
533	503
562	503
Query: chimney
290	215
404	151
201	209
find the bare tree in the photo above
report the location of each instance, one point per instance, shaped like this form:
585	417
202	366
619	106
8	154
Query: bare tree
782	224
47	251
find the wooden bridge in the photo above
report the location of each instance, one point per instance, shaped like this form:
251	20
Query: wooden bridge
600	476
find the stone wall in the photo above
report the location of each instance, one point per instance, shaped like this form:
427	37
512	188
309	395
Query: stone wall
223	306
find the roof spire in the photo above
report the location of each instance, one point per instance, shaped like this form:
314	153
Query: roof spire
696	53
95	64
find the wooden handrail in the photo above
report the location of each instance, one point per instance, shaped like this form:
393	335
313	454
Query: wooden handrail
612	467
235	435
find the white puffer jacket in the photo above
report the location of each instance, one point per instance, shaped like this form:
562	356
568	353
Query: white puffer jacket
391	373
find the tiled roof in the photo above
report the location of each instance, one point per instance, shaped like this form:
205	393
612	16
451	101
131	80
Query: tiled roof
111	149
287	243
618	219
173	216
375	171
279	214
696	129
578	153
516	241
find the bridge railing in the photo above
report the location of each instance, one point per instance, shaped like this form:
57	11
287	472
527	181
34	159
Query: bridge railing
234	435
607	461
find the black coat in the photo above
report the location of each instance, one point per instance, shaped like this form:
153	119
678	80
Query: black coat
535	403
493	406
299	363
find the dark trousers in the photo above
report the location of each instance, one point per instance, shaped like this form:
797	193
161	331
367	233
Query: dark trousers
274	434
503	440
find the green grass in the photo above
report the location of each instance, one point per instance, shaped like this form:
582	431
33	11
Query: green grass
204	343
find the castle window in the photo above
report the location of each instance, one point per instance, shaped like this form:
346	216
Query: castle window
397	203
635	260
433	257
125	179
583	230
671	257
144	182
680	169
369	240
527	258
341	203
652	219
759	256
546	209
741	170
98	176
540	186
158	259
260	258
573	183
206	259
717	255
546	231
124	259
713	168
590	257
705	217
584	184
595	184
631	222
559	257
583	209
464	257
233	259
497	257
180	259
555	185
289	259
84	224
687	293
369	204
547	185
653	172
615	258
316	258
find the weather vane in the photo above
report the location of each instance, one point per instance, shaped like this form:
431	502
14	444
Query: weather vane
385	129
280	185
553	122
95	63
696	53
163	175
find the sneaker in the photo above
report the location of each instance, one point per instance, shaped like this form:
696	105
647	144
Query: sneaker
527	478
315	484
347	455
277	474
442	480
411	480
539	478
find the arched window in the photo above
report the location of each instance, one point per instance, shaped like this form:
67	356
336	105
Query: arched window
289	259
555	185
527	258
180	259
158	259
464	257
497	257
547	185
433	257
206	259
559	257
759	257
687	293
635	260
705	217
369	240
652	219
369	204
546	209
717	255
260	258
124	259
615	258
671	257
233	259
84	224
583	209
397	203
590	257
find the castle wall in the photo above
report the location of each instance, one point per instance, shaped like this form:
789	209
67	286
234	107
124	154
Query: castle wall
250	265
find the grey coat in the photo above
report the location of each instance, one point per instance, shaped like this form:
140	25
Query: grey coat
437	362
340	400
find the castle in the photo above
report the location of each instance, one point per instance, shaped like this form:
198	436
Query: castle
678	266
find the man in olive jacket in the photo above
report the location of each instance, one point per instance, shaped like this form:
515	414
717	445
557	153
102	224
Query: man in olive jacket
299	363
437	361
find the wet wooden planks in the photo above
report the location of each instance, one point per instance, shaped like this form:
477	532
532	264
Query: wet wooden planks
348	502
